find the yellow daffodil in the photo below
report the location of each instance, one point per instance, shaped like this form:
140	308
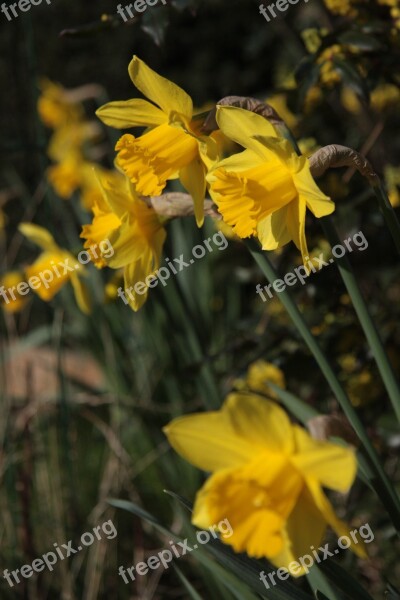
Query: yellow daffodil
135	232
55	108
54	268
172	148
10	299
260	373
266	477
265	190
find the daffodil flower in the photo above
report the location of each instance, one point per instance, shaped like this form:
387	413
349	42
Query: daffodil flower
266	477
172	148
52	269
265	190
134	231
16	302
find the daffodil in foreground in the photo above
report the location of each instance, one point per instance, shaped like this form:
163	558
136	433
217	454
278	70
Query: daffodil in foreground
54	268
266	477
134	230
265	190
172	148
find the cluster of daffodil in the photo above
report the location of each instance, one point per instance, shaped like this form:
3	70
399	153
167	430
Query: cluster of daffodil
262	191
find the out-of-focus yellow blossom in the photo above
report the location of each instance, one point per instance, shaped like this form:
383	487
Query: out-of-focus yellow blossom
385	97
312	39
345	8
265	190
348	363
392	179
279	103
313	98
12	302
363	388
172	148
260	373
308	146
60	266
134	231
394	10
350	100
266	477
54	107
328	73
112	286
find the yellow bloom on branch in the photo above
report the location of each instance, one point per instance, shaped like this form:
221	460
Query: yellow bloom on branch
266	477
54	268
265	190
134	230
172	148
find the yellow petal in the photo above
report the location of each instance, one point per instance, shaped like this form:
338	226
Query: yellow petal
260	421
168	96
81	294
39	236
332	465
45	267
272	231
192	178
241	125
131	113
319	204
296	224
304	528
208	441
327	511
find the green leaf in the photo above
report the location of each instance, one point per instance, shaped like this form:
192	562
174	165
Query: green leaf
319	584
361	40
343	580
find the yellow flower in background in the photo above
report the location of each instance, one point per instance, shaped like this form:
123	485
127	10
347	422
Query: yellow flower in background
12	301
134	231
392	179
54	107
279	103
172	148
54	268
260	373
265	190
385	97
266	477
341	7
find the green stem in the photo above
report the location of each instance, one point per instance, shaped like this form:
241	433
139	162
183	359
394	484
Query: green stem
382	485
365	319
389	213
